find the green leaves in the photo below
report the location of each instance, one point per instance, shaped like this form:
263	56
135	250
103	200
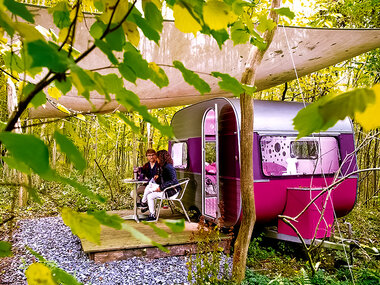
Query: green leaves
71	151
82	225
61	14
143	238
113	221
324	113
19	9
107	50
153	15
5	249
146	28
192	78
38	99
135	62
239	33
285	11
229	83
29	150
45	55
176	226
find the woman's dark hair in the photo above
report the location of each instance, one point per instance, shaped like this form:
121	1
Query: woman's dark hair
164	157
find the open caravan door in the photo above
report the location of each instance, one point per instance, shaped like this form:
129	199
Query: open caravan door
210	164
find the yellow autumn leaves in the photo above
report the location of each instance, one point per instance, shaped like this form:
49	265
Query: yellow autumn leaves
216	14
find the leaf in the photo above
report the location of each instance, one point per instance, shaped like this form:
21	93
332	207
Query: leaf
285	11
29	150
220	36
107	50
370	118
146	28
157	230
116	39
63	109
133	35
184	21
217	14
113	221
158	75
16	164
153	15
82	225
61	14
249	89
64	85
38	273
265	24
239	33
28	32
73	154
229	83
36	254
130	123
54	92
34	195
127	72
142	238
134	60
113	82
44	55
176	226
81	80
6	23
60	276
131	101
192	78
19	9
309	120
38	99
5	249
97	29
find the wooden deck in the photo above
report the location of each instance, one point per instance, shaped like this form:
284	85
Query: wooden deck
120	244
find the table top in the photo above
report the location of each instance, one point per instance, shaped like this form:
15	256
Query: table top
134	181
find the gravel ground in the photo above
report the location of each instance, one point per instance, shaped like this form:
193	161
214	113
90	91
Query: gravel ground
55	242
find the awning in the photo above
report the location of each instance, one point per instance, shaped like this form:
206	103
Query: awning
293	48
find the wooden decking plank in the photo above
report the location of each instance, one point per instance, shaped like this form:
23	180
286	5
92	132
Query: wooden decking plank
120	244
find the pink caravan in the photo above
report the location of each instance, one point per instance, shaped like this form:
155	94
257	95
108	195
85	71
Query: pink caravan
288	173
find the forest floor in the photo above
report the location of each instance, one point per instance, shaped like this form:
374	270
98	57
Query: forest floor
269	261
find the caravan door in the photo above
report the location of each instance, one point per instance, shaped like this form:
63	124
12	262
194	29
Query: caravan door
210	164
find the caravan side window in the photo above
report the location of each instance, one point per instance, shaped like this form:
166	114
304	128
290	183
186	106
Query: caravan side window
284	155
179	155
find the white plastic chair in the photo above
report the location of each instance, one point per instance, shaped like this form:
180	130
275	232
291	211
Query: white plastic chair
175	198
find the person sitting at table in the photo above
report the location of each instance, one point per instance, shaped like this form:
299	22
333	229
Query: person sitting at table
148	171
168	178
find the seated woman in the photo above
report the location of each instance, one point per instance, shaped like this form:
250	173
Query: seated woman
168	178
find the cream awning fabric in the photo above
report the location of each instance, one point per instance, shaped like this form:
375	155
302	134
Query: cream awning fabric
308	49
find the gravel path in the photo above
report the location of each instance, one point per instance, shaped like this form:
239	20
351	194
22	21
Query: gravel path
55	242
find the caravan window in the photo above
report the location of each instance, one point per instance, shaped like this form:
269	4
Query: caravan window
284	155
179	155
304	149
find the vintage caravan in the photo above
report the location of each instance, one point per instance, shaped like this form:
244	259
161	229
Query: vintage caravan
287	172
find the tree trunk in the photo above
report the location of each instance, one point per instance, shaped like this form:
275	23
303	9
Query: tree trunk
12	105
246	151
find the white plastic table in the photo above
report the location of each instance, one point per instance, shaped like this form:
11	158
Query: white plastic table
136	184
